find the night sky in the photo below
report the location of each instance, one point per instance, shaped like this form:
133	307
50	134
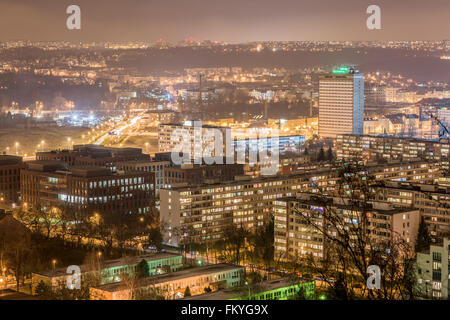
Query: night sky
227	20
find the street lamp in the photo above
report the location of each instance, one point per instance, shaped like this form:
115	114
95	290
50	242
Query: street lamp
248	287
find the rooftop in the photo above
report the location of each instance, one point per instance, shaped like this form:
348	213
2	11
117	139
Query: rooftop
167	277
60	272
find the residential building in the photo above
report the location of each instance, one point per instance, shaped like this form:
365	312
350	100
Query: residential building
275	289
295	236
198	136
375	148
48	184
111	271
203	211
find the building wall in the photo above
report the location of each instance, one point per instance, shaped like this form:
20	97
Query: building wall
433	271
10	180
341	104
174	289
204	211
129	193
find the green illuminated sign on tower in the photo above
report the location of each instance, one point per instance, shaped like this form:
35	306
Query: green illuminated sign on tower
341	70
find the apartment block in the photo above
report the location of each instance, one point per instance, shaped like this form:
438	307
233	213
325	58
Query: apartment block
433	271
294	236
202	212
157	168
10	167
373	148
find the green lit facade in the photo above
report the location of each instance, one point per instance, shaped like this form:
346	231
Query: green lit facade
283	293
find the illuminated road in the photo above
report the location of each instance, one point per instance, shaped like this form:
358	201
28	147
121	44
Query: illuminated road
118	130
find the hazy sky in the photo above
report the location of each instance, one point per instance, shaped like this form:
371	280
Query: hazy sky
224	20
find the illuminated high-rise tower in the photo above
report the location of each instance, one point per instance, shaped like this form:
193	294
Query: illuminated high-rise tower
341	103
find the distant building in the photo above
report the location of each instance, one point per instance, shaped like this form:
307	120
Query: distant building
173	285
112	270
433	271
374	94
10	167
286	144
433	201
158	116
341	103
444	116
49	184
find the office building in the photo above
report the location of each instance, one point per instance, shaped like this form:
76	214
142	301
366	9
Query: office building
10	167
341	103
157	168
47	184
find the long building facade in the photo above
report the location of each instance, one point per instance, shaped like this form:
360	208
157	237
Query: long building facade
47	184
373	148
202	213
341	103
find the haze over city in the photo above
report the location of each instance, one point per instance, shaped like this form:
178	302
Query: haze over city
231	21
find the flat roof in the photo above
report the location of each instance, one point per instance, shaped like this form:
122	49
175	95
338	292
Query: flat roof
111	263
166	277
